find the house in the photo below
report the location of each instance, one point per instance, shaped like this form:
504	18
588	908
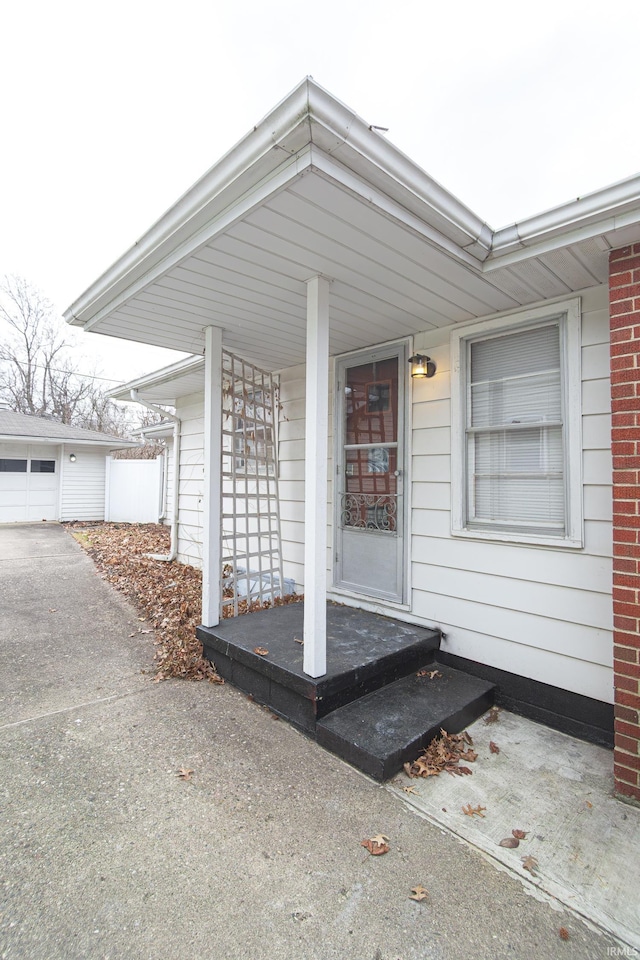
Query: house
51	470
453	404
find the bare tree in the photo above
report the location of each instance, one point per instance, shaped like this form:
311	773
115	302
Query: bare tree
38	375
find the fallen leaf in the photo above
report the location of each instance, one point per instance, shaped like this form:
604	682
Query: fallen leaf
380	839
530	863
470	811
444	752
563	933
409	790
376	845
428	673
493	716
261	651
184	774
494	747
587	803
519	834
419	893
510	842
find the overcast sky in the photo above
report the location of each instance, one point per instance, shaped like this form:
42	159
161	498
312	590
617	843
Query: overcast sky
111	111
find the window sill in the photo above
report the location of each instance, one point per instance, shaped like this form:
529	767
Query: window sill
500	536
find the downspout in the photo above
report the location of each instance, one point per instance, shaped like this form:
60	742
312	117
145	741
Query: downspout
173	550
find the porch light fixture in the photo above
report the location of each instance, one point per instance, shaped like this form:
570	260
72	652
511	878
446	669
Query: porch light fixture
72	457
422	366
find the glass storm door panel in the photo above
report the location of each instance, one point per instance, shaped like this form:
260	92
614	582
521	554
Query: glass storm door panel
370	473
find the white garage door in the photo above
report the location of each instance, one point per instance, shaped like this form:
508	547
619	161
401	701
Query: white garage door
28	483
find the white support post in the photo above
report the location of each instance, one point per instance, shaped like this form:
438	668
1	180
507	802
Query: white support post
211	533
315	479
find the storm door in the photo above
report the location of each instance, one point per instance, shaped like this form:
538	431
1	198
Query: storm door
370	464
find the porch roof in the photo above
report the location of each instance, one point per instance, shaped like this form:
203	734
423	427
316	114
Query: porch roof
314	190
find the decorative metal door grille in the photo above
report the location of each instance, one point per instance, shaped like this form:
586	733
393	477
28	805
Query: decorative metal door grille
251	543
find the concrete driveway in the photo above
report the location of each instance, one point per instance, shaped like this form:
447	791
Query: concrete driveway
106	853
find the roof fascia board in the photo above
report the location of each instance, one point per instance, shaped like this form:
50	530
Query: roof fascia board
611	208
157	378
56	441
565	239
110	299
353	132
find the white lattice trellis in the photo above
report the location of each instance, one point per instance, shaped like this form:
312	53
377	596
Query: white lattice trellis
251	544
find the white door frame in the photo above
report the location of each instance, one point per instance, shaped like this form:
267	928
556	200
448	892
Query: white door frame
403	349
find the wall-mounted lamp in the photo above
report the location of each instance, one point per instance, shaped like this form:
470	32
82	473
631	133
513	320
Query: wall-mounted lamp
422	366
72	457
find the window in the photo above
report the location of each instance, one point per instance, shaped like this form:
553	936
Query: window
516	448
12	466
43	466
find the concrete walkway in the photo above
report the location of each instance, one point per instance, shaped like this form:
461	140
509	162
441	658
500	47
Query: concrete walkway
105	853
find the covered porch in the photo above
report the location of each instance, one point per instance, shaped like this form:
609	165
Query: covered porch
314	239
384	694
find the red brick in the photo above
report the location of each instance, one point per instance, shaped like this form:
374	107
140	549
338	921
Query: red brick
626	790
629	744
626	507
625	461
624	669
626	729
625	623
626	448
622	537
627	714
626	348
626	376
624	361
627	699
621	314
620	253
622	335
625	422
626	759
625	521
625	655
622	565
625	775
625	685
619	279
627	491
627	641
630	290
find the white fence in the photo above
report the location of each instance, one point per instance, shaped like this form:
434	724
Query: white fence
133	491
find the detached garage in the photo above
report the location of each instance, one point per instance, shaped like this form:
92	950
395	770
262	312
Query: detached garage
50	470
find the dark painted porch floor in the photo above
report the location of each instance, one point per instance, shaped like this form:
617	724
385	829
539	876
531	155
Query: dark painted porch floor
370	707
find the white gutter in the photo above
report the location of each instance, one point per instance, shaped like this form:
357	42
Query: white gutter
612	208
173	550
308	115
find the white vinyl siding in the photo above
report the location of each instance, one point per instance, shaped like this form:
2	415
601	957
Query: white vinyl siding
83	483
191	487
536	610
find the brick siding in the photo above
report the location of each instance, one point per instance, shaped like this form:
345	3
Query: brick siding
624	299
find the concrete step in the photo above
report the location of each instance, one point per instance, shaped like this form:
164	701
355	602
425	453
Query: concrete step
386	728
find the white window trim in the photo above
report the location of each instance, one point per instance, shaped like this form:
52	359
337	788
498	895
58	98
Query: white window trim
572	392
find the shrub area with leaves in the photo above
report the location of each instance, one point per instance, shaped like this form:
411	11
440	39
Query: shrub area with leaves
169	595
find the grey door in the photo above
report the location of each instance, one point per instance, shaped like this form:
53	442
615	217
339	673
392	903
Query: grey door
370	467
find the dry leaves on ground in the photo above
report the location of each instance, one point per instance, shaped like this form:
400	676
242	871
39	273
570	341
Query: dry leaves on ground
376	845
444	753
530	863
493	716
419	893
169	594
473	811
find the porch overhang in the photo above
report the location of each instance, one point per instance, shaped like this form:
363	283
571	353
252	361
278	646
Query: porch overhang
312	190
